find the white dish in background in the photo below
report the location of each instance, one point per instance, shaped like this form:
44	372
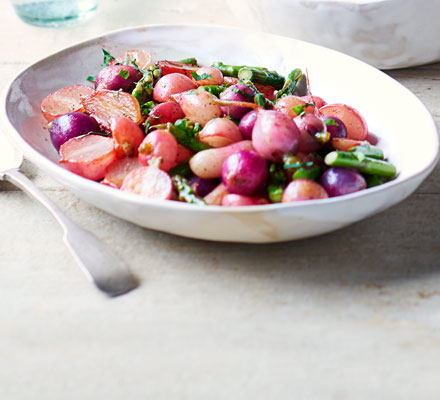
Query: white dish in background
392	112
384	33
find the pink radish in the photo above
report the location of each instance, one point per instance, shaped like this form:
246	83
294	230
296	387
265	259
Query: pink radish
88	155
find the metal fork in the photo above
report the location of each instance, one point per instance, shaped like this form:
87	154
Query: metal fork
106	270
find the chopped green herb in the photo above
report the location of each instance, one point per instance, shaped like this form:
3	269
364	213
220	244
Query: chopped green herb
299	110
200	77
99	133
125	74
330	121
107	58
91	78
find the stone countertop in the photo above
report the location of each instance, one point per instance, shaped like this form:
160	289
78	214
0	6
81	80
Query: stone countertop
354	314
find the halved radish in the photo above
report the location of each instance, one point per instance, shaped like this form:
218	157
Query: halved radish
149	182
344	144
65	100
142	58
118	170
354	122
292	106
318	101
127	136
268	91
171	67
88	155
104	104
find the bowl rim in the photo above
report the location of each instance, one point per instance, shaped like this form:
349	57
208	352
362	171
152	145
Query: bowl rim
61	174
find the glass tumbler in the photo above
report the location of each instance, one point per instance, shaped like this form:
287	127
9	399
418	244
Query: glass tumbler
54	13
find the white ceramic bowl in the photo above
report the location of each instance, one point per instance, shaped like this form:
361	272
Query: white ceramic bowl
384	33
392	112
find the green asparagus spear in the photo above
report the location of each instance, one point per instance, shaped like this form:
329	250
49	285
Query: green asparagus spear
374	180
360	162
291	83
261	76
189	61
185	191
231	70
185	133
311	173
144	89
368	150
254	74
181	169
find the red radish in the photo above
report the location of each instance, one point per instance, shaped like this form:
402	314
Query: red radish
344	144
303	189
209	163
173	67
127	136
292	106
65	100
104	104
164	113
117	77
274	135
239	200
198	105
219	132
316	100
372	139
244	172
118	170
268	91
207	76
171	84
354	122
149	182
88	155
141	58
182	154
159	143
214	198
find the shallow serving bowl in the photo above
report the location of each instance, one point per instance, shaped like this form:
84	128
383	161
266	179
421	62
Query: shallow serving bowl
385	33
407	131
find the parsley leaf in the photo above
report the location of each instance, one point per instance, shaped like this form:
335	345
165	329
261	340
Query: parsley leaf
107	58
330	121
125	74
299	109
91	78
200	77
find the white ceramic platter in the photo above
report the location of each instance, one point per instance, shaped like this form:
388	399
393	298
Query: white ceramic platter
407	131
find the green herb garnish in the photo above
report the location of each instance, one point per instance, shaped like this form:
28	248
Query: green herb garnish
107	58
200	77
91	78
330	121
125	74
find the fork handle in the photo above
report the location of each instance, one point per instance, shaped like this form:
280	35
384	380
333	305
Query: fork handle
107	271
